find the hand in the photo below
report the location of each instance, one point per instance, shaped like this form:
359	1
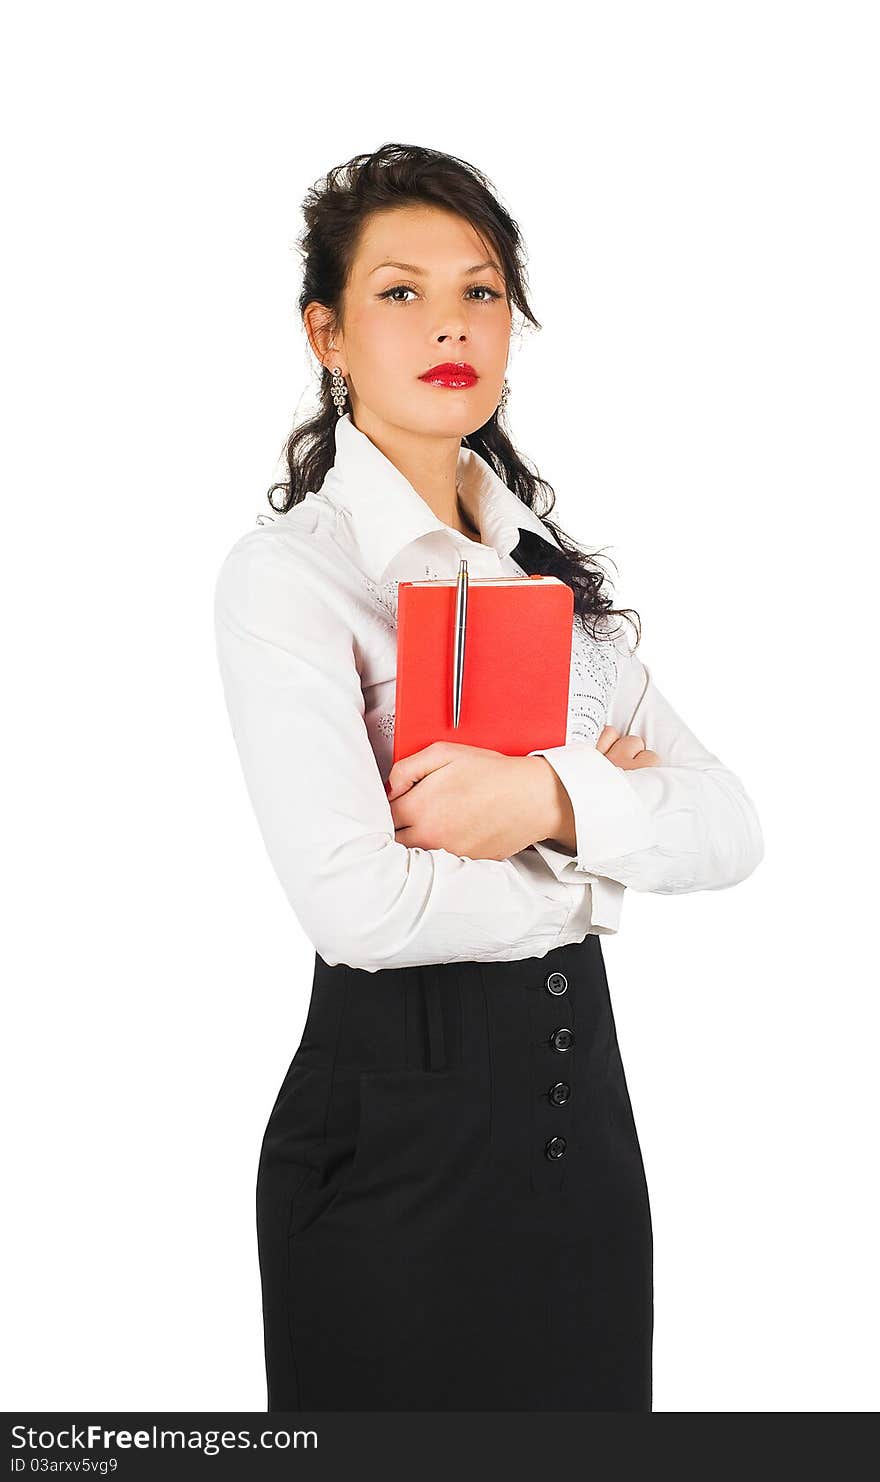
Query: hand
626	752
468	800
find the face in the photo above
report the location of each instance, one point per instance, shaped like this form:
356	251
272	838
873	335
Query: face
399	323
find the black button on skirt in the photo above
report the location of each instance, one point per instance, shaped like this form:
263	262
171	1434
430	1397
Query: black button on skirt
452	1210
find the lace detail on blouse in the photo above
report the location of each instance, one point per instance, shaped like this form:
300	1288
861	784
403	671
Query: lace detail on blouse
384	602
384	597
384	594
593	682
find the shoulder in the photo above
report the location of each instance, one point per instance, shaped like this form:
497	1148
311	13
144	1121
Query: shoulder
287	539
274	570
288	581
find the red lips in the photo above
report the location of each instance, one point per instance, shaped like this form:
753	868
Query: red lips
454	373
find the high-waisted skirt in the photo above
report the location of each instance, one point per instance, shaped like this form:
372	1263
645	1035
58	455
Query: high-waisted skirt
452	1209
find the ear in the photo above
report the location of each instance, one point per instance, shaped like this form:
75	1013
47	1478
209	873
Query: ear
327	346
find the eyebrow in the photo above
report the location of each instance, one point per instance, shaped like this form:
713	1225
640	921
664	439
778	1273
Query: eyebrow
409	267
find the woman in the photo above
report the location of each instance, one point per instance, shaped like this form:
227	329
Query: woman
452	1205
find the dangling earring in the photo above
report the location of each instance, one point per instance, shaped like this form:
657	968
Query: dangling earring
505	393
338	390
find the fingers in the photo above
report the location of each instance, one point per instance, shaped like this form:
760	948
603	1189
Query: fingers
411	769
645	759
623	751
629	752
607	736
399	786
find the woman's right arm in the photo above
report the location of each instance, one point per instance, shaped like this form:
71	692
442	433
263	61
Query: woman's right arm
294	697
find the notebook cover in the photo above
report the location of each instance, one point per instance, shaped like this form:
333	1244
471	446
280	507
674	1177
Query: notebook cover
517	664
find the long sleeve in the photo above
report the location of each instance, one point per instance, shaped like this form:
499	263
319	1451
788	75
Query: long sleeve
287	658
687	824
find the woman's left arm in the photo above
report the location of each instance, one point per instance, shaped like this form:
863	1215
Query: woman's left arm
685	824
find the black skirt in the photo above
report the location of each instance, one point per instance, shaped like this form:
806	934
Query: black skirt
452	1208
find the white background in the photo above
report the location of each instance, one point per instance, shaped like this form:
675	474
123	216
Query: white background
697	188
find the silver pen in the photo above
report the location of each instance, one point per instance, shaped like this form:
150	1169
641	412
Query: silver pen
461	602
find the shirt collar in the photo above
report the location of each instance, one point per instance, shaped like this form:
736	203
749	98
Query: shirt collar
387	513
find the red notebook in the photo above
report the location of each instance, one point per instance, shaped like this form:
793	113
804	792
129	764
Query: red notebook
517	664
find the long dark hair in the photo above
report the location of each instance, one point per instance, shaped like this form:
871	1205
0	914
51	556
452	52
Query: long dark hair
335	211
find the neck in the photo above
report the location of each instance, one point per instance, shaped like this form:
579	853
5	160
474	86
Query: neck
466	525
430	464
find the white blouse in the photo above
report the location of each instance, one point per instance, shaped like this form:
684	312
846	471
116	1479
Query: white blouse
306	632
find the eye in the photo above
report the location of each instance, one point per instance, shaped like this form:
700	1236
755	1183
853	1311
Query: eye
406	288
398	288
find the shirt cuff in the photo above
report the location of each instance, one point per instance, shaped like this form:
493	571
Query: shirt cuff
564	866
610	818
